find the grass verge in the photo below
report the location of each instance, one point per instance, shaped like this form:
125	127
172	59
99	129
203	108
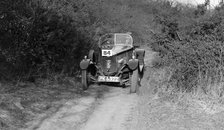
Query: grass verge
164	106
22	102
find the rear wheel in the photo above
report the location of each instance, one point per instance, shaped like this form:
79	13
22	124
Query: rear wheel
134	81
84	80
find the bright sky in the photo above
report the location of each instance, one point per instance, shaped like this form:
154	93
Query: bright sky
195	2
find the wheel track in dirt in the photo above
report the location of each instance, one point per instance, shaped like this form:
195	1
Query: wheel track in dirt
101	108
113	112
71	113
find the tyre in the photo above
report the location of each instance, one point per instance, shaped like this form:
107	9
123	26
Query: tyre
134	81
84	80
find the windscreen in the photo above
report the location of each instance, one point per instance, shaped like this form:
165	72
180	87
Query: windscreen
123	39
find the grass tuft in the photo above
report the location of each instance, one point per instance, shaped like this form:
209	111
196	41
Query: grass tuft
22	102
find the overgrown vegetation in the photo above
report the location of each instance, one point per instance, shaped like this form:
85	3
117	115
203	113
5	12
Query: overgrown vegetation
191	46
42	37
45	39
39	38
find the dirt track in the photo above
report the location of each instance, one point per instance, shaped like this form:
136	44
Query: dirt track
101	108
105	108
114	108
114	111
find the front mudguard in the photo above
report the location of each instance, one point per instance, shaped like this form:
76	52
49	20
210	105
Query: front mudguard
92	56
140	55
141	67
84	64
141	71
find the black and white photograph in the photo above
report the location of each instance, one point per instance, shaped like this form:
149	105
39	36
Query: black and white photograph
111	64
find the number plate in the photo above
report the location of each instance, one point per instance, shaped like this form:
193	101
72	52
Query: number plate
108	79
107	53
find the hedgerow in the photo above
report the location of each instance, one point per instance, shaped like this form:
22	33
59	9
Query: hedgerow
193	50
44	36
37	39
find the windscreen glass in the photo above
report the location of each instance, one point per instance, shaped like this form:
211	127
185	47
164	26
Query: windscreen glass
123	39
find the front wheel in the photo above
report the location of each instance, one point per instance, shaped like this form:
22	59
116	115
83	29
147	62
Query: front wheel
134	81
84	80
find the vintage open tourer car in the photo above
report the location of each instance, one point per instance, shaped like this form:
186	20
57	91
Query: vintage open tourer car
117	62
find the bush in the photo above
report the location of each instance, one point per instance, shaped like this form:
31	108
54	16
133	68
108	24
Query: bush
197	55
37	39
45	36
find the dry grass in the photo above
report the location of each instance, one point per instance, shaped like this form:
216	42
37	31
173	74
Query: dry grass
22	102
163	106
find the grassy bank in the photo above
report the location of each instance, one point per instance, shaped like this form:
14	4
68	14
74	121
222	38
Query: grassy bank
162	106
32	100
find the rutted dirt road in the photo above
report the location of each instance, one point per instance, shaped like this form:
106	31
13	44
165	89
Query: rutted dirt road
105	108
101	108
114	111
114	108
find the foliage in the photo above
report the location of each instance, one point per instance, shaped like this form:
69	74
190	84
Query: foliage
37	38
42	37
197	55
45	36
